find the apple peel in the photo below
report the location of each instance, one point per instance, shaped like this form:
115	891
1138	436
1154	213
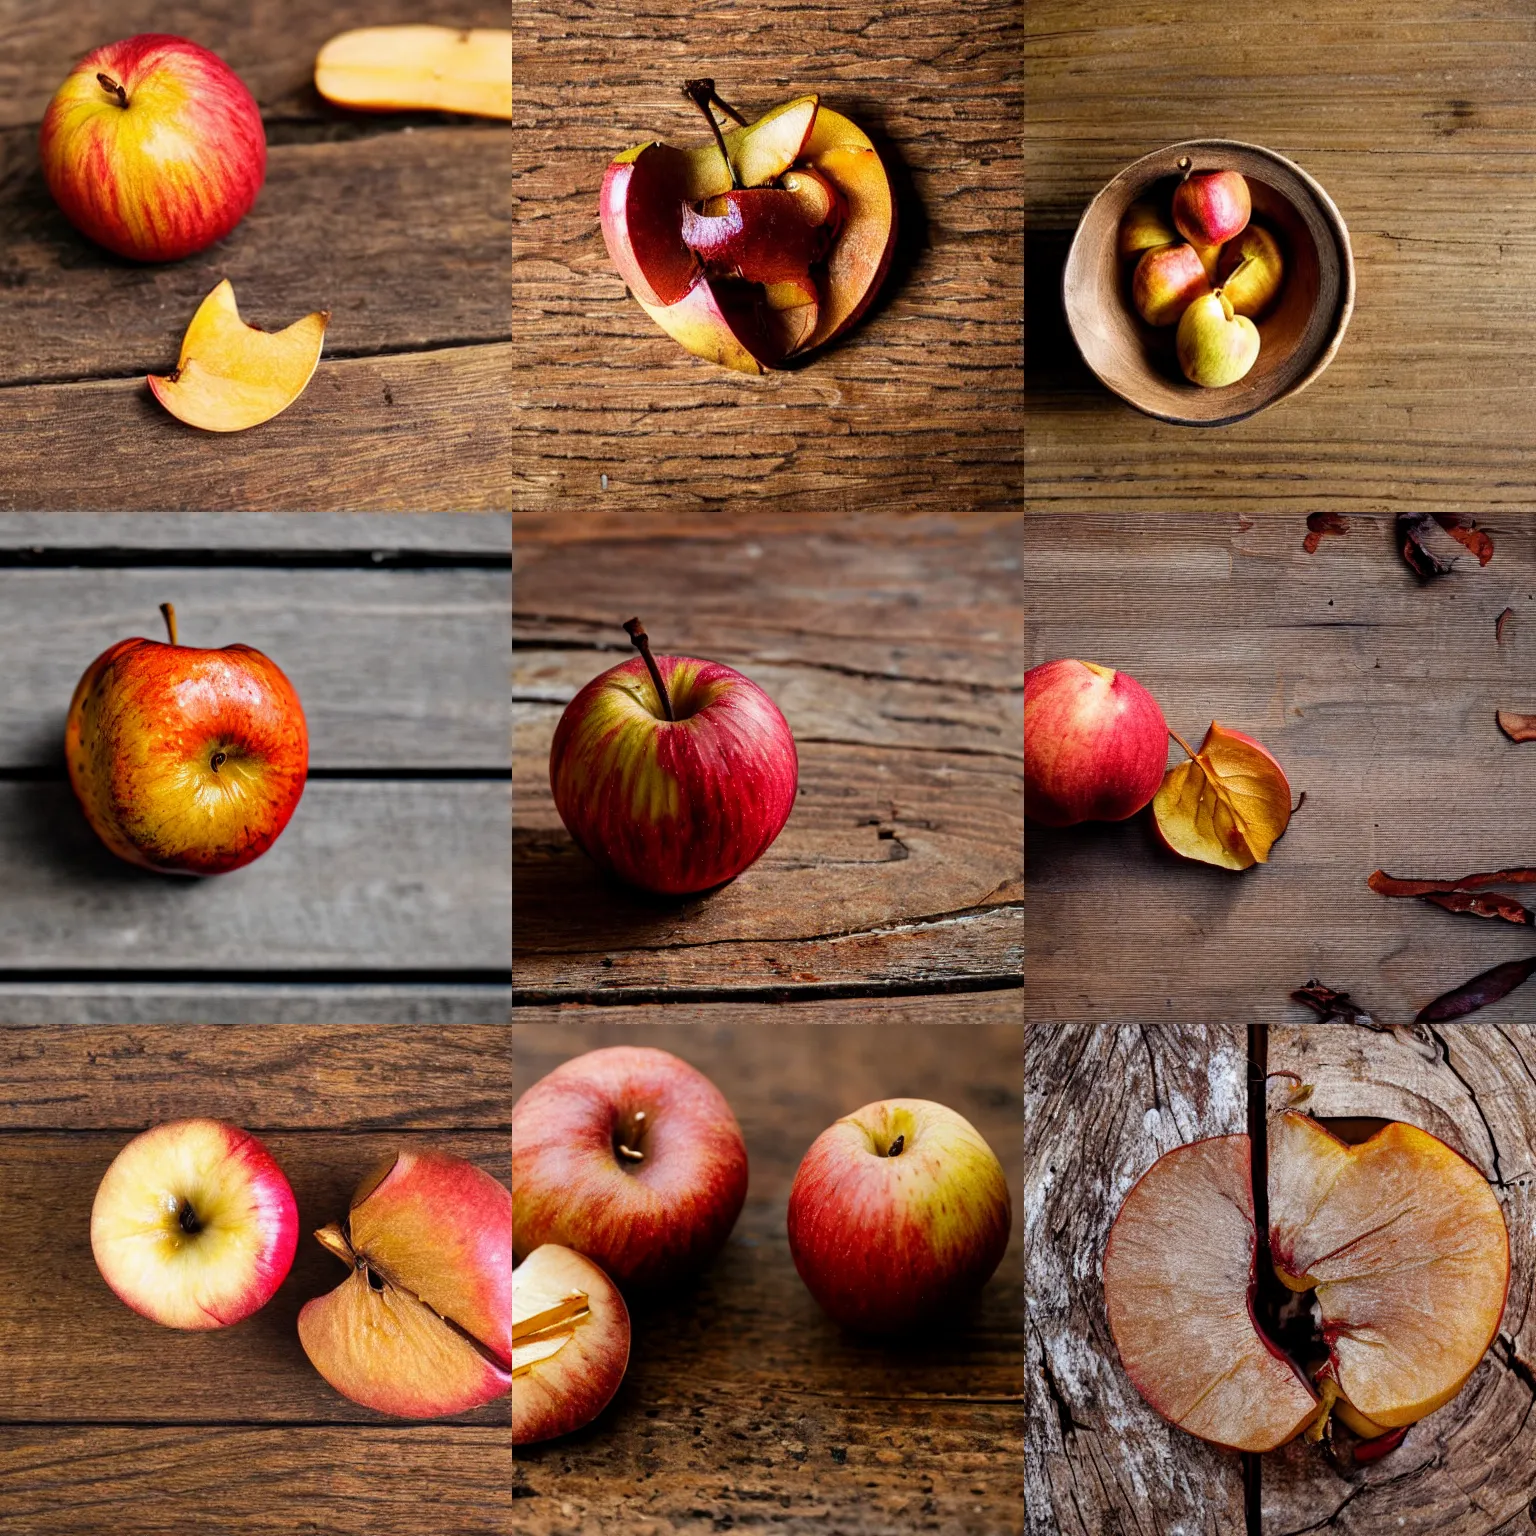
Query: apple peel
231	375
1227	805
419	69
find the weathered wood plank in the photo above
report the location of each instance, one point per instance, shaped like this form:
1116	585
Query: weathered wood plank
741	1397
395	668
391	534
52	1298
376	876
251	1003
361	1481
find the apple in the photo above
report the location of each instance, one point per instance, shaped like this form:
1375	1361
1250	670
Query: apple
1251	271
570	1343
194	1225
898	1216
1095	743
631	1157
419	69
759	246
1400	1240
671	773
1144	227
1166	281
422	1326
153	147
184	760
1211	207
1216	346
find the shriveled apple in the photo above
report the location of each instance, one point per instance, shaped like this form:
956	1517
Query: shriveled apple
419	69
570	1343
231	375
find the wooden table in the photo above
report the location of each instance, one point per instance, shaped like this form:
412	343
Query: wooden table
917	407
398	224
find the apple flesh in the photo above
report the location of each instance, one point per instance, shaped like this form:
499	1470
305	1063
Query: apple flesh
186	761
1216	346
419	69
1167	280
1251	271
1211	207
422	1326
898	1216
632	1157
570	1343
194	1225
153	148
1095	743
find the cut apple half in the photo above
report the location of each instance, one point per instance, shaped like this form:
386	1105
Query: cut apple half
419	69
231	375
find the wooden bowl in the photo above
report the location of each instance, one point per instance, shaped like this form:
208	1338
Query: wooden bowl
1299	333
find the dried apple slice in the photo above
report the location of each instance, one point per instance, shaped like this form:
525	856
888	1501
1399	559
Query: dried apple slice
231	375
419	69
1227	805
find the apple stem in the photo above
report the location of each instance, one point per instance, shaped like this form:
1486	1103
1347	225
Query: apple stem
636	632
1187	166
1187	748
1246	261
112	88
727	108
701	93
169	612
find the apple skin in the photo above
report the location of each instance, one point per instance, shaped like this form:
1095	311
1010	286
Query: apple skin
1251	271
1216	346
194	1225
678	806
145	726
1143	227
170	170
648	1222
885	1243
1095	744
1167	280
1212	207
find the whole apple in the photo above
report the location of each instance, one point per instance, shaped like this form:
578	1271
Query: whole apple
1095	744
1212	207
194	1225
422	1326
1167	279
186	761
1216	346
631	1157
153	147
898	1215
671	773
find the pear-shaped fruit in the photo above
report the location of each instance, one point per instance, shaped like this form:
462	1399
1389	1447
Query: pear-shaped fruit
1216	346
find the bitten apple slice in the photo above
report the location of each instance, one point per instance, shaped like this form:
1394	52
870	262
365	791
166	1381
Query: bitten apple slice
419	69
570	1343
231	375
1407	1248
423	1325
1179	1278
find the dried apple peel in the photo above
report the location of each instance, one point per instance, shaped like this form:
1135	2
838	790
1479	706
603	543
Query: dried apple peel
230	375
1227	805
419	69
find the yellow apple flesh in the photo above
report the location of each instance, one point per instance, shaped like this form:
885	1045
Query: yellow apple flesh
1216	346
419	69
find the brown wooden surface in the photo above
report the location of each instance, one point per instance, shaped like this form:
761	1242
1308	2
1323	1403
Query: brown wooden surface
920	404
1102	1103
1418	119
108	1421
744	1408
1377	694
893	646
397	223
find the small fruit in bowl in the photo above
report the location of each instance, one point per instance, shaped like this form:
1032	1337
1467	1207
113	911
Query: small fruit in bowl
1167	280
1251	271
1216	346
1143	227
1211	207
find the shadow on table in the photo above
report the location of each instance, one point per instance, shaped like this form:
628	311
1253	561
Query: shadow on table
1052	363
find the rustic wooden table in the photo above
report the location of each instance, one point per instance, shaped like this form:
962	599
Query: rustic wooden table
398	224
920	405
1102	1103
744	1407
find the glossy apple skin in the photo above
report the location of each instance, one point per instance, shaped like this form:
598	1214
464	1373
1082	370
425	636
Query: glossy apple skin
169	173
1251	271
1167	279
1095	744
1216	346
145	724
1211	207
886	1243
648	1223
247	1225
679	806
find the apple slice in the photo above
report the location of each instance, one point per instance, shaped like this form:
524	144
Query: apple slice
419	69
722	322
1179	1278
231	375
759	234
570	1343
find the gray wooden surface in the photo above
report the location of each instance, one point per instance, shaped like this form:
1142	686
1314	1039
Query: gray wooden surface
252	1002
438	533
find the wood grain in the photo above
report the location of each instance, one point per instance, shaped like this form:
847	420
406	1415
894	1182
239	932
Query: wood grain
384	536
743	1404
892	644
253	1002
919	404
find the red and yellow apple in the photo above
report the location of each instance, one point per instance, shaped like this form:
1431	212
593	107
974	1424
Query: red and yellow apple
632	1157
1144	227
671	773
1251	271
898	1216
759	246
184	760
422	1326
1216	346
153	147
194	1225
1095	743
1167	280
1211	207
